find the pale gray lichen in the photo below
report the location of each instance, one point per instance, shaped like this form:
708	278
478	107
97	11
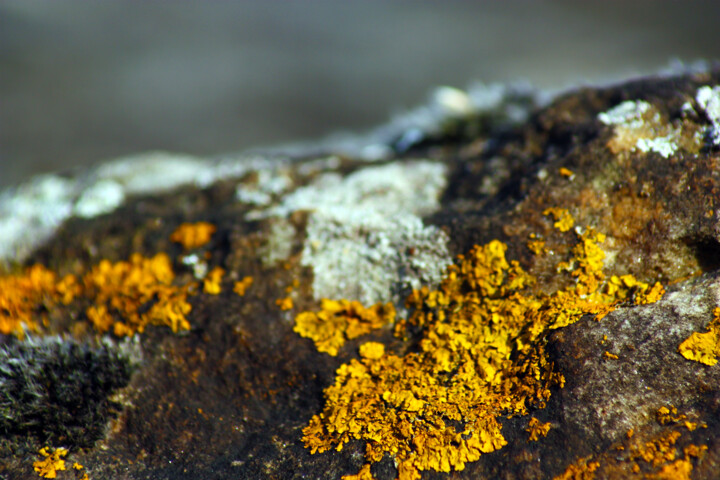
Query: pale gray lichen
665	146
367	256
638	125
629	113
279	242
263	189
708	98
102	197
31	213
365	240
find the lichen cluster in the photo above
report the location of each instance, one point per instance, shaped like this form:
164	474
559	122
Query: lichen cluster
653	457
537	430
123	297
22	294
193	235
341	320
51	463
704	347
480	355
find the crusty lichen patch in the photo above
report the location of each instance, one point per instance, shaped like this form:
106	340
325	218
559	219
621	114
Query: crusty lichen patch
639	126
582	469
123	297
652	454
193	235
342	320
51	463
563	220
537	430
704	347
22	294
481	355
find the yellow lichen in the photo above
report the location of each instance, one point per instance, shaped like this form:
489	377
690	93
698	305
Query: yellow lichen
193	235
537	430
657	452
285	303
610	356
565	172
372	350
211	284
23	294
241	287
678	470
341	320
536	246
668	414
123	296
122	291
582	469
79	468
363	474
480	355
51	463
704	347
563	220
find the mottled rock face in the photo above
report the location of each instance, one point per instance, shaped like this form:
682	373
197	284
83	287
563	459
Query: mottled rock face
566	364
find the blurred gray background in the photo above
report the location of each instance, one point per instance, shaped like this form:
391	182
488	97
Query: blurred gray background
82	82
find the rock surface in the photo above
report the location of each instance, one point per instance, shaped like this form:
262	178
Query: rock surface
372	219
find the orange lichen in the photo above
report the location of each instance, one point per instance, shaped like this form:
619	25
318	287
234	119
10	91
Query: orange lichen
51	463
211	284
665	415
535	245
341	320
372	350
193	235
678	470
285	303
480	354
563	220
695	451
582	469
21	295
627	286
610	356
565	172
124	296
704	347
79	468
241	287
121	291
537	429
363	474
657	452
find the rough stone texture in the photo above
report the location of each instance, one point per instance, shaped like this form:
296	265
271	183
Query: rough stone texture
367	218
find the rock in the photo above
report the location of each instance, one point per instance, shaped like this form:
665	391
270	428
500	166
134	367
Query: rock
132	347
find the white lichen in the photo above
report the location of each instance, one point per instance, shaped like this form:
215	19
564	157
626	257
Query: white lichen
638	125
629	114
708	98
102	197
365	240
267	185
665	146
31	213
279	242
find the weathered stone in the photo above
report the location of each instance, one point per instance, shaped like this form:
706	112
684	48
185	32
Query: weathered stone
371	219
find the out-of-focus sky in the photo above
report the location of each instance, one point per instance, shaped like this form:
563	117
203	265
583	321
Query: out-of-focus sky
82	82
